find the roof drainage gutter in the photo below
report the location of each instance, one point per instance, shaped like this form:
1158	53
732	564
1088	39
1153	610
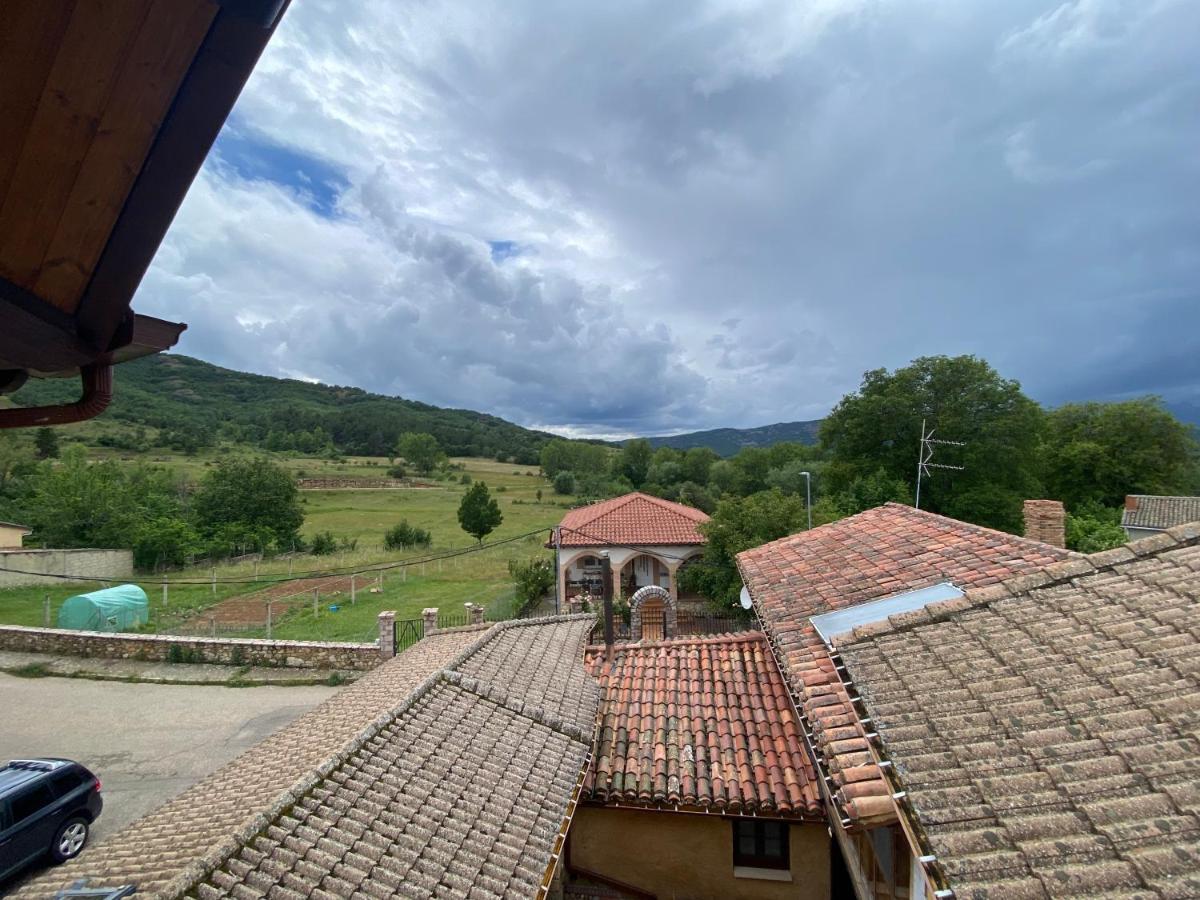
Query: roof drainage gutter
97	381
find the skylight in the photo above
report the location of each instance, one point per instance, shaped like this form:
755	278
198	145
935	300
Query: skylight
834	623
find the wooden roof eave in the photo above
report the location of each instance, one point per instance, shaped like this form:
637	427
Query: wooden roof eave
44	337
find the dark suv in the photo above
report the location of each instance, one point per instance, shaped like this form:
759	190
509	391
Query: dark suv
46	806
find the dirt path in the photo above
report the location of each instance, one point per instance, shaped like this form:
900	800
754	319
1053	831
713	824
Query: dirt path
251	609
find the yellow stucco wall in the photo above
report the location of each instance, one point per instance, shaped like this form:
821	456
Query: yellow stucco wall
10	537
679	856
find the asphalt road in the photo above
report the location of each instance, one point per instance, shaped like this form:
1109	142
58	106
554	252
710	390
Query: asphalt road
146	742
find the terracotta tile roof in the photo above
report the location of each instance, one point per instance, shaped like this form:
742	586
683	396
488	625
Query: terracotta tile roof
636	518
703	723
887	550
459	773
1148	511
1046	730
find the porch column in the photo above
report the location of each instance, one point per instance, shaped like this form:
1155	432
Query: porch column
672	580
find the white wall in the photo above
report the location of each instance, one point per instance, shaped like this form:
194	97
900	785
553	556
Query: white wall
1136	534
107	564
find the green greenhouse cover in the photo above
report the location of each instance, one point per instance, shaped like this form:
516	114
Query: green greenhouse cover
117	608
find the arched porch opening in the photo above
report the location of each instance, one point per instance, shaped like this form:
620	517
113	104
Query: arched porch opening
643	570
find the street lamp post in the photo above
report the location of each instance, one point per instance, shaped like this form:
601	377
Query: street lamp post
808	497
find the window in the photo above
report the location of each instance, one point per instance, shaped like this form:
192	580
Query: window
760	844
62	783
30	801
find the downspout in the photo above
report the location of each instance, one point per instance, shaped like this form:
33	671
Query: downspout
97	381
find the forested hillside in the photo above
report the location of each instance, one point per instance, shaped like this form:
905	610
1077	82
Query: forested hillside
187	404
728	441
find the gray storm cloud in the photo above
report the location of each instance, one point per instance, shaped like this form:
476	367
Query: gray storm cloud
712	214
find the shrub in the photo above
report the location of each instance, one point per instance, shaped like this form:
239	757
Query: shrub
396	471
500	489
533	579
564	483
465	479
323	544
402	535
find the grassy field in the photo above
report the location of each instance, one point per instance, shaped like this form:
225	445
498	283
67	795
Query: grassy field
362	515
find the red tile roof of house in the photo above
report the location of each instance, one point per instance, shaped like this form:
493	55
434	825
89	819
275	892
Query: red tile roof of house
704	723
883	551
636	518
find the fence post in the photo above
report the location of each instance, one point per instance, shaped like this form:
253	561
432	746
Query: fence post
46	611
403	574
212	624
164	591
429	619
352	588
316	600
290	560
476	613
214	580
268	620
256	570
387	633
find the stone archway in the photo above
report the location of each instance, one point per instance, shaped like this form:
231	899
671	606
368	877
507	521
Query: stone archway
645	600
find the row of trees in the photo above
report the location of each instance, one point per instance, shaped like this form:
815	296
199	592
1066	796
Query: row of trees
1089	455
240	504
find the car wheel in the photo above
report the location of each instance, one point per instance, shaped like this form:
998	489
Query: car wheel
70	839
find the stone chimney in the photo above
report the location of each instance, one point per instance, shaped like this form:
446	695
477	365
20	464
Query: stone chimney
1131	502
1046	521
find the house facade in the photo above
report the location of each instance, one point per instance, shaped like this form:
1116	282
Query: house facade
700	785
12	535
1146	515
647	541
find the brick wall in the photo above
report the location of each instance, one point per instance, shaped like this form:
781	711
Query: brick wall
1045	521
103	564
157	647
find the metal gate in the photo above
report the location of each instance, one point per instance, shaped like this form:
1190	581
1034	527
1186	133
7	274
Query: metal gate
408	632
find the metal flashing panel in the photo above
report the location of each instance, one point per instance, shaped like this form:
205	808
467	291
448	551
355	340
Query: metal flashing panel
830	624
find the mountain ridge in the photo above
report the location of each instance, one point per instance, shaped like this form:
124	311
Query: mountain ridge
728	441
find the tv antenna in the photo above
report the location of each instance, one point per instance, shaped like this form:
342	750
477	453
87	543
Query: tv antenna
925	457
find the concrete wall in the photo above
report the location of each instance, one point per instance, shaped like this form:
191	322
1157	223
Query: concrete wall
683	855
103	564
157	647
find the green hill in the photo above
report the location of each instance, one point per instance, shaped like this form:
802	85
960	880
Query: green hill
728	441
187	404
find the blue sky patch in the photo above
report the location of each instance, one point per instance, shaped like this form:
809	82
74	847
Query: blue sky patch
316	182
502	250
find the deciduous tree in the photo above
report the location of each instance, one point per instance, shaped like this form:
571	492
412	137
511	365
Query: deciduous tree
478	513
421	451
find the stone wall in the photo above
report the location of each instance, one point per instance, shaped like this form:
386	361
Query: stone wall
113	565
157	647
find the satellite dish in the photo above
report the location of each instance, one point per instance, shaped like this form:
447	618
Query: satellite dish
745	598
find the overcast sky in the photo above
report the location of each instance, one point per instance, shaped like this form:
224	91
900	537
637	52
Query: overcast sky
613	218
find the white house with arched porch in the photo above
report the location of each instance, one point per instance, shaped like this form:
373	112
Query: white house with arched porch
647	539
